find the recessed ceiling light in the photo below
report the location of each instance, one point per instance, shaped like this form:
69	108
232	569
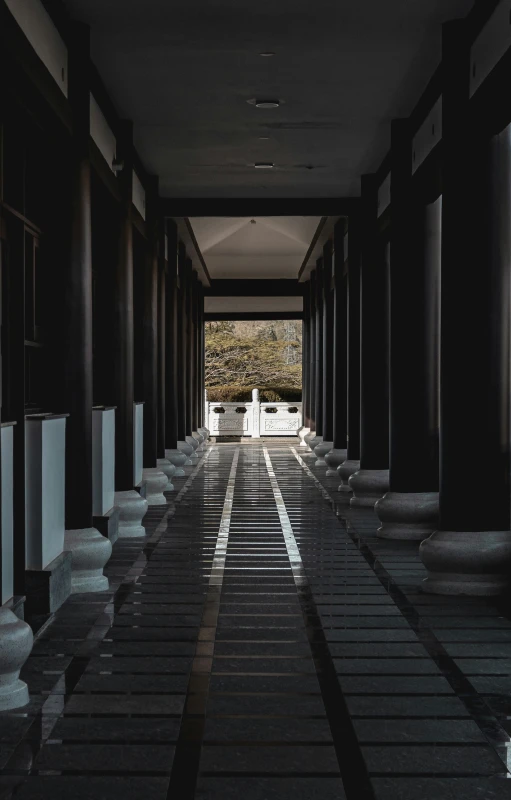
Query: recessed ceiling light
267	103
264	138
264	165
267	54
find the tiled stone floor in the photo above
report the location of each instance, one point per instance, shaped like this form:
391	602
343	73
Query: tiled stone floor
261	643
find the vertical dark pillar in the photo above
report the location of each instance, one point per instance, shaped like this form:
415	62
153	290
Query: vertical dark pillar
312	357
172	344
410	509
305	361
328	353
77	366
195	352
340	355
371	481
189	348
318	354
161	301
352	463
182	379
150	331
123	321
471	551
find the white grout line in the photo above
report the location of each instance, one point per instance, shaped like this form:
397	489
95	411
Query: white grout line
293	552
220	554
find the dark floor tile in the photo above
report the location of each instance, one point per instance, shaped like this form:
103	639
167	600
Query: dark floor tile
93	788
125	704
264	759
270	789
267	730
154	758
410	731
420	788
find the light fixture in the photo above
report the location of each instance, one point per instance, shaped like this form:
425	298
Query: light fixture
267	54
267	103
264	165
252	222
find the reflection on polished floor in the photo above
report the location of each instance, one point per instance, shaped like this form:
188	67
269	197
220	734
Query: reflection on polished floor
256	645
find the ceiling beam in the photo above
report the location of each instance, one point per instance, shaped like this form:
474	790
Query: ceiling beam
259	207
263	287
246	316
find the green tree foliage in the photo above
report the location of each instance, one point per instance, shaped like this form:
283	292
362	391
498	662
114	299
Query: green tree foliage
244	354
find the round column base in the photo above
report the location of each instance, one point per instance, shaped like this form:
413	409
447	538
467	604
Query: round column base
368	486
204	432
333	460
169	469
199	438
302	433
320	451
187	449
345	471
16	640
411	516
308	436
474	563
132	509
178	459
193	457
313	443
90	552
156	481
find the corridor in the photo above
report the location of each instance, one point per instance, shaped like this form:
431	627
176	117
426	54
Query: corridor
261	643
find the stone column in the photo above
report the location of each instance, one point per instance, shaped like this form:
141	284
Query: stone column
312	360
190	363
470	553
155	478
338	454
161	461
173	339
352	463
90	550
305	429
318	356
372	480
410	509
182	365
132	507
328	353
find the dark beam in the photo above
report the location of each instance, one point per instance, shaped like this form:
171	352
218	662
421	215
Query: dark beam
243	316
312	245
259	207
197	248
226	287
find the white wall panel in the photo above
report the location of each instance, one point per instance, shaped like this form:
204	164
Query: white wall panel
42	34
138	195
491	44
428	135
101	133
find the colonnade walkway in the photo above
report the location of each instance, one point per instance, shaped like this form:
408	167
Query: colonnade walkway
257	645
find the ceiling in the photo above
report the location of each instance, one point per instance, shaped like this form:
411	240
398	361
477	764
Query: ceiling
254	247
184	71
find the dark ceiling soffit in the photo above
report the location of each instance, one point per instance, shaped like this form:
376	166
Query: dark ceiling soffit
197	249
256	315
224	287
312	245
259	207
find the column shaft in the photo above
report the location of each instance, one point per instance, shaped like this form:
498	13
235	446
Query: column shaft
318	355
162	292
150	335
340	342
77	366
182	370
312	351
471	551
172	340
328	344
371	481
123	322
